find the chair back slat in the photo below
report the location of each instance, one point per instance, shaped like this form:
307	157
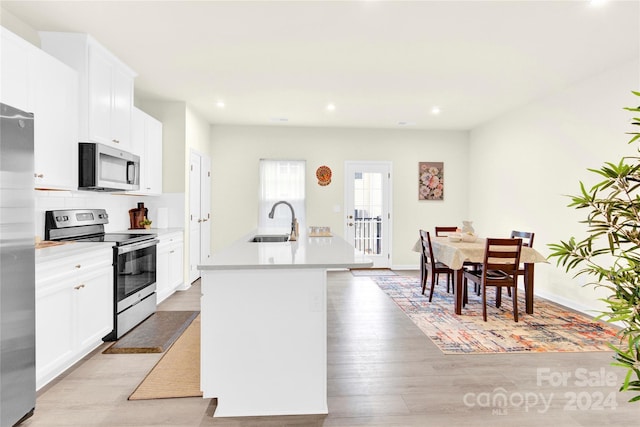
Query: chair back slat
445	231
526	236
500	269
503	254
427	250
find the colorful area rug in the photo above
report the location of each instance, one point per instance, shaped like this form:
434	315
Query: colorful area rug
552	328
177	373
358	272
154	335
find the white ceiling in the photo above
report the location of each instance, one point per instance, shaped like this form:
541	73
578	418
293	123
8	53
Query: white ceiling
379	62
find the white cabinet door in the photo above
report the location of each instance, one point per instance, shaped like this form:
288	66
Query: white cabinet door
15	71
100	91
162	269
153	155
176	264
36	82
55	343
170	264
122	104
56	124
105	87
94	307
74	309
138	136
146	141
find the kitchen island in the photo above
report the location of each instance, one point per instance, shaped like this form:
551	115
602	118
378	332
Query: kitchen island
264	324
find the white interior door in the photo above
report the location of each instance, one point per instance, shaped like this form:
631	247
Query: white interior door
205	209
194	216
199	212
368	209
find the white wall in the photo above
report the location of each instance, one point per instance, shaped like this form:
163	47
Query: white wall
236	151
197	132
525	162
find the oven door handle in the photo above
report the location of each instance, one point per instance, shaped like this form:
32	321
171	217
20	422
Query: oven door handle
136	246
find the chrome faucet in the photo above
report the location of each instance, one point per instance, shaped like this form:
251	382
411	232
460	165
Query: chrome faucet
294	221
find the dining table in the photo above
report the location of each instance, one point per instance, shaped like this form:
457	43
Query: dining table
456	254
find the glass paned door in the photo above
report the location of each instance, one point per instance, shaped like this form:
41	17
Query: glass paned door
368	209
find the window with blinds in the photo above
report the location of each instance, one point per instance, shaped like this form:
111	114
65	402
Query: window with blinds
282	180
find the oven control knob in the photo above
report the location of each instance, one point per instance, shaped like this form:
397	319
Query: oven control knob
66	218
58	218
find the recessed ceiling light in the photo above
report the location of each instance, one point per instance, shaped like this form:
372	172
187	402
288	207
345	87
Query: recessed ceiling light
279	119
435	110
597	2
220	104
331	107
406	123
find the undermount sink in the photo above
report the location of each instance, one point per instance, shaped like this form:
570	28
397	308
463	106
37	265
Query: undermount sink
262	238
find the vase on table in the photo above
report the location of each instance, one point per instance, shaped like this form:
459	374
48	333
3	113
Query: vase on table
467	228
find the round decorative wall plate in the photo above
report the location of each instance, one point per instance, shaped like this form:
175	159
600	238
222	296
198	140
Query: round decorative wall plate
323	173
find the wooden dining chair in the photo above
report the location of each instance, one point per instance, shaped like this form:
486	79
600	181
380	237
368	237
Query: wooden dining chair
431	267
444	231
527	241
499	269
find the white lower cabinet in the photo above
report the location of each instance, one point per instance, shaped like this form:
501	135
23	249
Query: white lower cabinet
74	309
170	264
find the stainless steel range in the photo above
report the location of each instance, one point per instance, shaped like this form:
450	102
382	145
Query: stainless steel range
134	262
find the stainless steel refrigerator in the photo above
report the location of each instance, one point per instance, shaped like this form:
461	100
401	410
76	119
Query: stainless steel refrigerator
17	267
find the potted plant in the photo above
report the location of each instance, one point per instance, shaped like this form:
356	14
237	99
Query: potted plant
146	223
610	254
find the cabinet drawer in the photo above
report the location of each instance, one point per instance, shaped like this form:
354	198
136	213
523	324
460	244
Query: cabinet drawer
72	266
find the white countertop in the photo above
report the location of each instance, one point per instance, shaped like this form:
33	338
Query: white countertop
306	252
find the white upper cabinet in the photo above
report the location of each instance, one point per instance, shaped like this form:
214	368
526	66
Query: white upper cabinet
146	139
36	82
16	55
105	87
55	124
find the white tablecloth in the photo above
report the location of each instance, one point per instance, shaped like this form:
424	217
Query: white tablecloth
454	254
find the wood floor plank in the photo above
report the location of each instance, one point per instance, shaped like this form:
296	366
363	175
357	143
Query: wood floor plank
382	371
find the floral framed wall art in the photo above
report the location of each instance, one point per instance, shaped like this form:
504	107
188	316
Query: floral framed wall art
430	181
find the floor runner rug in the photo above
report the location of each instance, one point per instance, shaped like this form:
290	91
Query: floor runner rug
552	328
372	272
154	335
177	373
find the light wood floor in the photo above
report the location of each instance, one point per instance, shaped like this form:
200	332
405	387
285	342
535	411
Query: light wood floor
382	371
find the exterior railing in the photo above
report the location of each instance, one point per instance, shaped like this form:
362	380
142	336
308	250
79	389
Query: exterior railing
368	235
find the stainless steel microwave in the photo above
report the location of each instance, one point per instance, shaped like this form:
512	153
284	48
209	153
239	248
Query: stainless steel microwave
104	168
